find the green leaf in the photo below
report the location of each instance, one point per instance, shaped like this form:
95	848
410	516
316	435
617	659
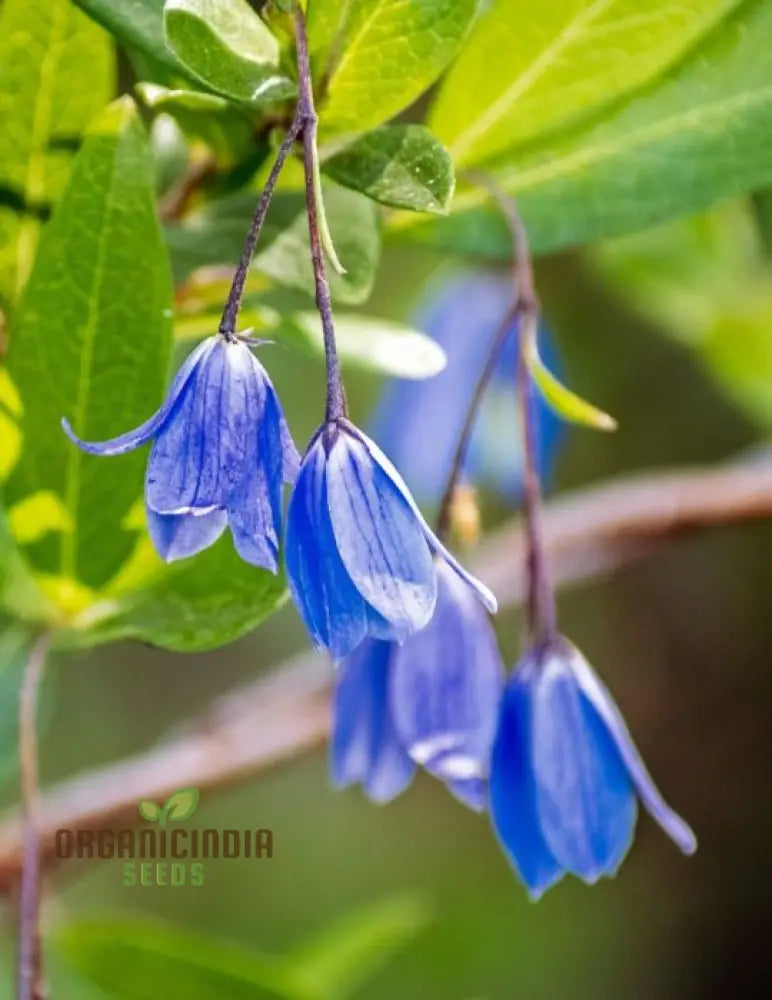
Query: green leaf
337	962
181	804
139	25
387	52
215	235
527	70
131	959
403	166
90	341
226	46
678	147
56	72
148	810
195	604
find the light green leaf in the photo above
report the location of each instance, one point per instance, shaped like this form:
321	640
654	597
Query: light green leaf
678	147
195	604
56	72
148	810
215	235
403	166
90	341
531	67
131	959
226	46
337	962
139	25
181	804
386	53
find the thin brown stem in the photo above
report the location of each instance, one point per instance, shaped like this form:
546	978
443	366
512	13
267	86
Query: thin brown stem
30	971
336	406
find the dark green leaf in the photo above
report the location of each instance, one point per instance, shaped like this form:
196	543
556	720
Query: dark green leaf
91	342
526	70
680	146
131	960
215	235
386	53
139	25
56	73
403	166
225	45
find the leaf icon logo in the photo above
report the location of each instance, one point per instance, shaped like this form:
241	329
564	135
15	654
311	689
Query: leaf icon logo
179	806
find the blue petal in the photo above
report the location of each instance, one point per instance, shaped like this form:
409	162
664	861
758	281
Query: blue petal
446	686
133	439
513	793
380	541
585	799
484	594
332	609
177	536
254	509
201	454
365	748
472	793
602	702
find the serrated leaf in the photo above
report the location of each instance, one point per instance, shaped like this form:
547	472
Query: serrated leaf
387	52
181	804
91	341
403	166
56	73
531	67
139	25
226	46
678	147
215	235
128	959
338	961
148	810
195	604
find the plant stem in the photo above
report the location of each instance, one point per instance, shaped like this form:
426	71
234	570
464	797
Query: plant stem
541	613
465	436
232	306
336	407
30	972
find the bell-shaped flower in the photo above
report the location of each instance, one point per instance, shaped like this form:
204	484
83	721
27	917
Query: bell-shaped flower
566	775
221	450
431	701
445	689
360	557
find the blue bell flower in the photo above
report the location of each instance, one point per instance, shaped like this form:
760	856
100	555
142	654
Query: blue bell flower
566	775
445	689
359	554
221	450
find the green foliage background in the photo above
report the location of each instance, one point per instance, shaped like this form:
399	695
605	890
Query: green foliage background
635	140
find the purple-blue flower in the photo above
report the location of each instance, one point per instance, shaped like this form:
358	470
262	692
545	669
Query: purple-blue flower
221	451
431	701
566	775
359	555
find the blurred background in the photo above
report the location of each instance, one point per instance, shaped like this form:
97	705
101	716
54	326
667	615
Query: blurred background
683	640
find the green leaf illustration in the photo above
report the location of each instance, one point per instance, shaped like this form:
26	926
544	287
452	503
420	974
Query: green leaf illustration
181	804
149	810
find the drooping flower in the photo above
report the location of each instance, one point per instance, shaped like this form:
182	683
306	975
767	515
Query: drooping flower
566	775
221	450
431	701
359	554
418	423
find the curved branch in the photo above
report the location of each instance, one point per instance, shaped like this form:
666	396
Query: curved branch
270	721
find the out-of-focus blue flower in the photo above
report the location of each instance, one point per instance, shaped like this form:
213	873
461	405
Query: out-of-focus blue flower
432	701
566	775
419	423
221	450
359	554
